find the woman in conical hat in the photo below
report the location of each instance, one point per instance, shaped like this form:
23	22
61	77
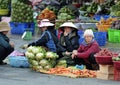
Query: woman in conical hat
69	39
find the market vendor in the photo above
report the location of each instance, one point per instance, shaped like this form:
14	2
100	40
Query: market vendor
69	39
6	47
86	51
47	39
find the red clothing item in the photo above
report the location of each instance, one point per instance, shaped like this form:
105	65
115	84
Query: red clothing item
85	50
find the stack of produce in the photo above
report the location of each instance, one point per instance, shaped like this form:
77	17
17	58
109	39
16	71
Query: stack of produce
21	12
40	59
104	57
90	9
103	24
4	4
64	15
4	7
47	14
115	9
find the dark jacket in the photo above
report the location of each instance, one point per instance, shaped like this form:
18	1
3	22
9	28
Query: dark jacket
44	39
70	42
5	47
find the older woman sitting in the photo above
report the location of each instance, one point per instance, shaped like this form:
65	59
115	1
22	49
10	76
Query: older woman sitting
86	51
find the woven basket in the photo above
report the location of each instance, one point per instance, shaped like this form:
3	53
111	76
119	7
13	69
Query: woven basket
4	11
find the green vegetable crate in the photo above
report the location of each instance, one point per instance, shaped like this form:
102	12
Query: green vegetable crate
114	35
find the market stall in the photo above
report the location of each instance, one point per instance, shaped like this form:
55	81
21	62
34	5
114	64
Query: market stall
103	22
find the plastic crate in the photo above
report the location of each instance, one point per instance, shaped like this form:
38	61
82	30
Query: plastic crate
98	17
117	65
18	61
104	60
101	38
116	74
20	28
80	33
114	35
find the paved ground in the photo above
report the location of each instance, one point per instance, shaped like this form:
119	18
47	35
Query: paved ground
25	76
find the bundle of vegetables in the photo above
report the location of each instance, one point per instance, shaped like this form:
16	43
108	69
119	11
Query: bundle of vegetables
61	63
64	15
21	12
70	72
92	8
40	59
104	25
117	58
115	9
47	14
116	25
105	52
52	8
4	4
89	9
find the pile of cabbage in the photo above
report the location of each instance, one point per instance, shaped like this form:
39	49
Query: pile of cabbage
40	59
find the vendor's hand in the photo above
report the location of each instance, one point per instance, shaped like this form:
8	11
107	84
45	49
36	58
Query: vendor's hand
73	56
75	52
65	33
12	44
24	46
68	53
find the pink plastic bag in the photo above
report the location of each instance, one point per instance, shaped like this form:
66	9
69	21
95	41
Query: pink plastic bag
16	53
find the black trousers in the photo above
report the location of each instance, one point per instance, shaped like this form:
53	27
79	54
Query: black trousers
4	53
90	64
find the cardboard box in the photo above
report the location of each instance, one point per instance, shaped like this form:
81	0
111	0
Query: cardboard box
105	76
107	69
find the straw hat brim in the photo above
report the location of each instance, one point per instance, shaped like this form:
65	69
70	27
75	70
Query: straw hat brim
4	28
68	25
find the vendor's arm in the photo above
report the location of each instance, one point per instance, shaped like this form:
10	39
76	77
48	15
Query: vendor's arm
41	41
93	49
6	45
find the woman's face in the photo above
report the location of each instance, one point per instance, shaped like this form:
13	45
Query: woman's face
43	28
5	32
88	38
67	29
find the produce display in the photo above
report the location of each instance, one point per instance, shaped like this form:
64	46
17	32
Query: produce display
104	52
115	9
72	72
4	4
88	9
116	25
40	59
64	15
55	10
21	12
104	25
47	14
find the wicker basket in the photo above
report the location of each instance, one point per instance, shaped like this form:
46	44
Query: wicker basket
4	11
104	60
